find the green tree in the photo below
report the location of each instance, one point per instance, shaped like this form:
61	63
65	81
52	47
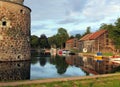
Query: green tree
104	26
88	31
116	33
62	36
78	36
34	41
71	37
43	41
113	32
53	42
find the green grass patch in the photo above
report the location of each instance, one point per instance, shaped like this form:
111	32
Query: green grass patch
107	54
112	81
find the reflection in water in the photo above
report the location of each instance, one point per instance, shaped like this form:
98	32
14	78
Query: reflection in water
100	67
54	67
42	61
62	66
14	71
60	63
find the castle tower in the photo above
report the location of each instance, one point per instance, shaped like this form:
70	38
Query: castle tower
14	31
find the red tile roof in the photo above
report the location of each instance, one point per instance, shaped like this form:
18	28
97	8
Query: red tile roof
97	34
86	37
70	41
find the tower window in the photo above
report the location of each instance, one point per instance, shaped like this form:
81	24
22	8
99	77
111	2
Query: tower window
21	11
4	23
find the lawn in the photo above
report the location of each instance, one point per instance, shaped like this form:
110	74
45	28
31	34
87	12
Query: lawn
113	81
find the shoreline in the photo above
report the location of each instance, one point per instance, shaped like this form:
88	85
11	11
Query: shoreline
52	80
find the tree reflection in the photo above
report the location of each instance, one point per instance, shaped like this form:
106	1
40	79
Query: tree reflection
60	63
34	57
34	60
42	61
87	73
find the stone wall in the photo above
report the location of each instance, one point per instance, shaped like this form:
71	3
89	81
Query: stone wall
14	32
14	71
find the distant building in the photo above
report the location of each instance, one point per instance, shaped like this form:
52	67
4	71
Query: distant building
72	44
14	31
97	42
85	43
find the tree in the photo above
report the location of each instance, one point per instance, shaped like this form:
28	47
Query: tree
113	32
62	36
53	42
71	37
34	41
104	26
116	33
87	31
43	41
78	36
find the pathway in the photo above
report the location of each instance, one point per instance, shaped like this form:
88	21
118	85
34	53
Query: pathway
17	83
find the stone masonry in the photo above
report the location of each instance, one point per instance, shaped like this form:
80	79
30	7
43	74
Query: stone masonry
14	31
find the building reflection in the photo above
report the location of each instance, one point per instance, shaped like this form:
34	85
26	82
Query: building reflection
14	71
90	65
74	60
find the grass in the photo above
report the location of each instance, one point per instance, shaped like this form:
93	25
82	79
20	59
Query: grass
103	54
107	54
113	81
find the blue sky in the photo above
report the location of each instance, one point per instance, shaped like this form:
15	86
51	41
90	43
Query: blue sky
73	15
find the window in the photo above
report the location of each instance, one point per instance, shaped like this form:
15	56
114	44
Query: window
106	35
4	23
107	42
21	11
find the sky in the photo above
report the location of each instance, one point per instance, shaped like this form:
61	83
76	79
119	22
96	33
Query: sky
75	16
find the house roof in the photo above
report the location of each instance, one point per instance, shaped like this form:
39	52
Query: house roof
97	34
86	37
70	41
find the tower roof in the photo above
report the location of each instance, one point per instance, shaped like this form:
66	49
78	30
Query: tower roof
15	1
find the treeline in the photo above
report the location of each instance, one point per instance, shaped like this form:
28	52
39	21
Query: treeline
58	40
113	32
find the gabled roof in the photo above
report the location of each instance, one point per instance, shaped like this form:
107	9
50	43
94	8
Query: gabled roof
86	37
97	34
70	41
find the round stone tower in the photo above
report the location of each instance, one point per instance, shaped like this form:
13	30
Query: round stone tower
14	31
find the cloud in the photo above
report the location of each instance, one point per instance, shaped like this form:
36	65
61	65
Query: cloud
46	9
68	21
73	15
97	11
75	7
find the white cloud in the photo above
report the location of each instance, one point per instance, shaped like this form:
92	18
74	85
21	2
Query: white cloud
99	10
73	15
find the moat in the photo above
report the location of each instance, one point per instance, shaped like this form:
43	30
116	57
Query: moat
53	67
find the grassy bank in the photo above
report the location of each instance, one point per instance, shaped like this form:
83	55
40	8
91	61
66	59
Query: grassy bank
97	82
90	81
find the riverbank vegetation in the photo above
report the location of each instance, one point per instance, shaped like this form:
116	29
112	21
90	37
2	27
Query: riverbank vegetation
110	81
59	39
